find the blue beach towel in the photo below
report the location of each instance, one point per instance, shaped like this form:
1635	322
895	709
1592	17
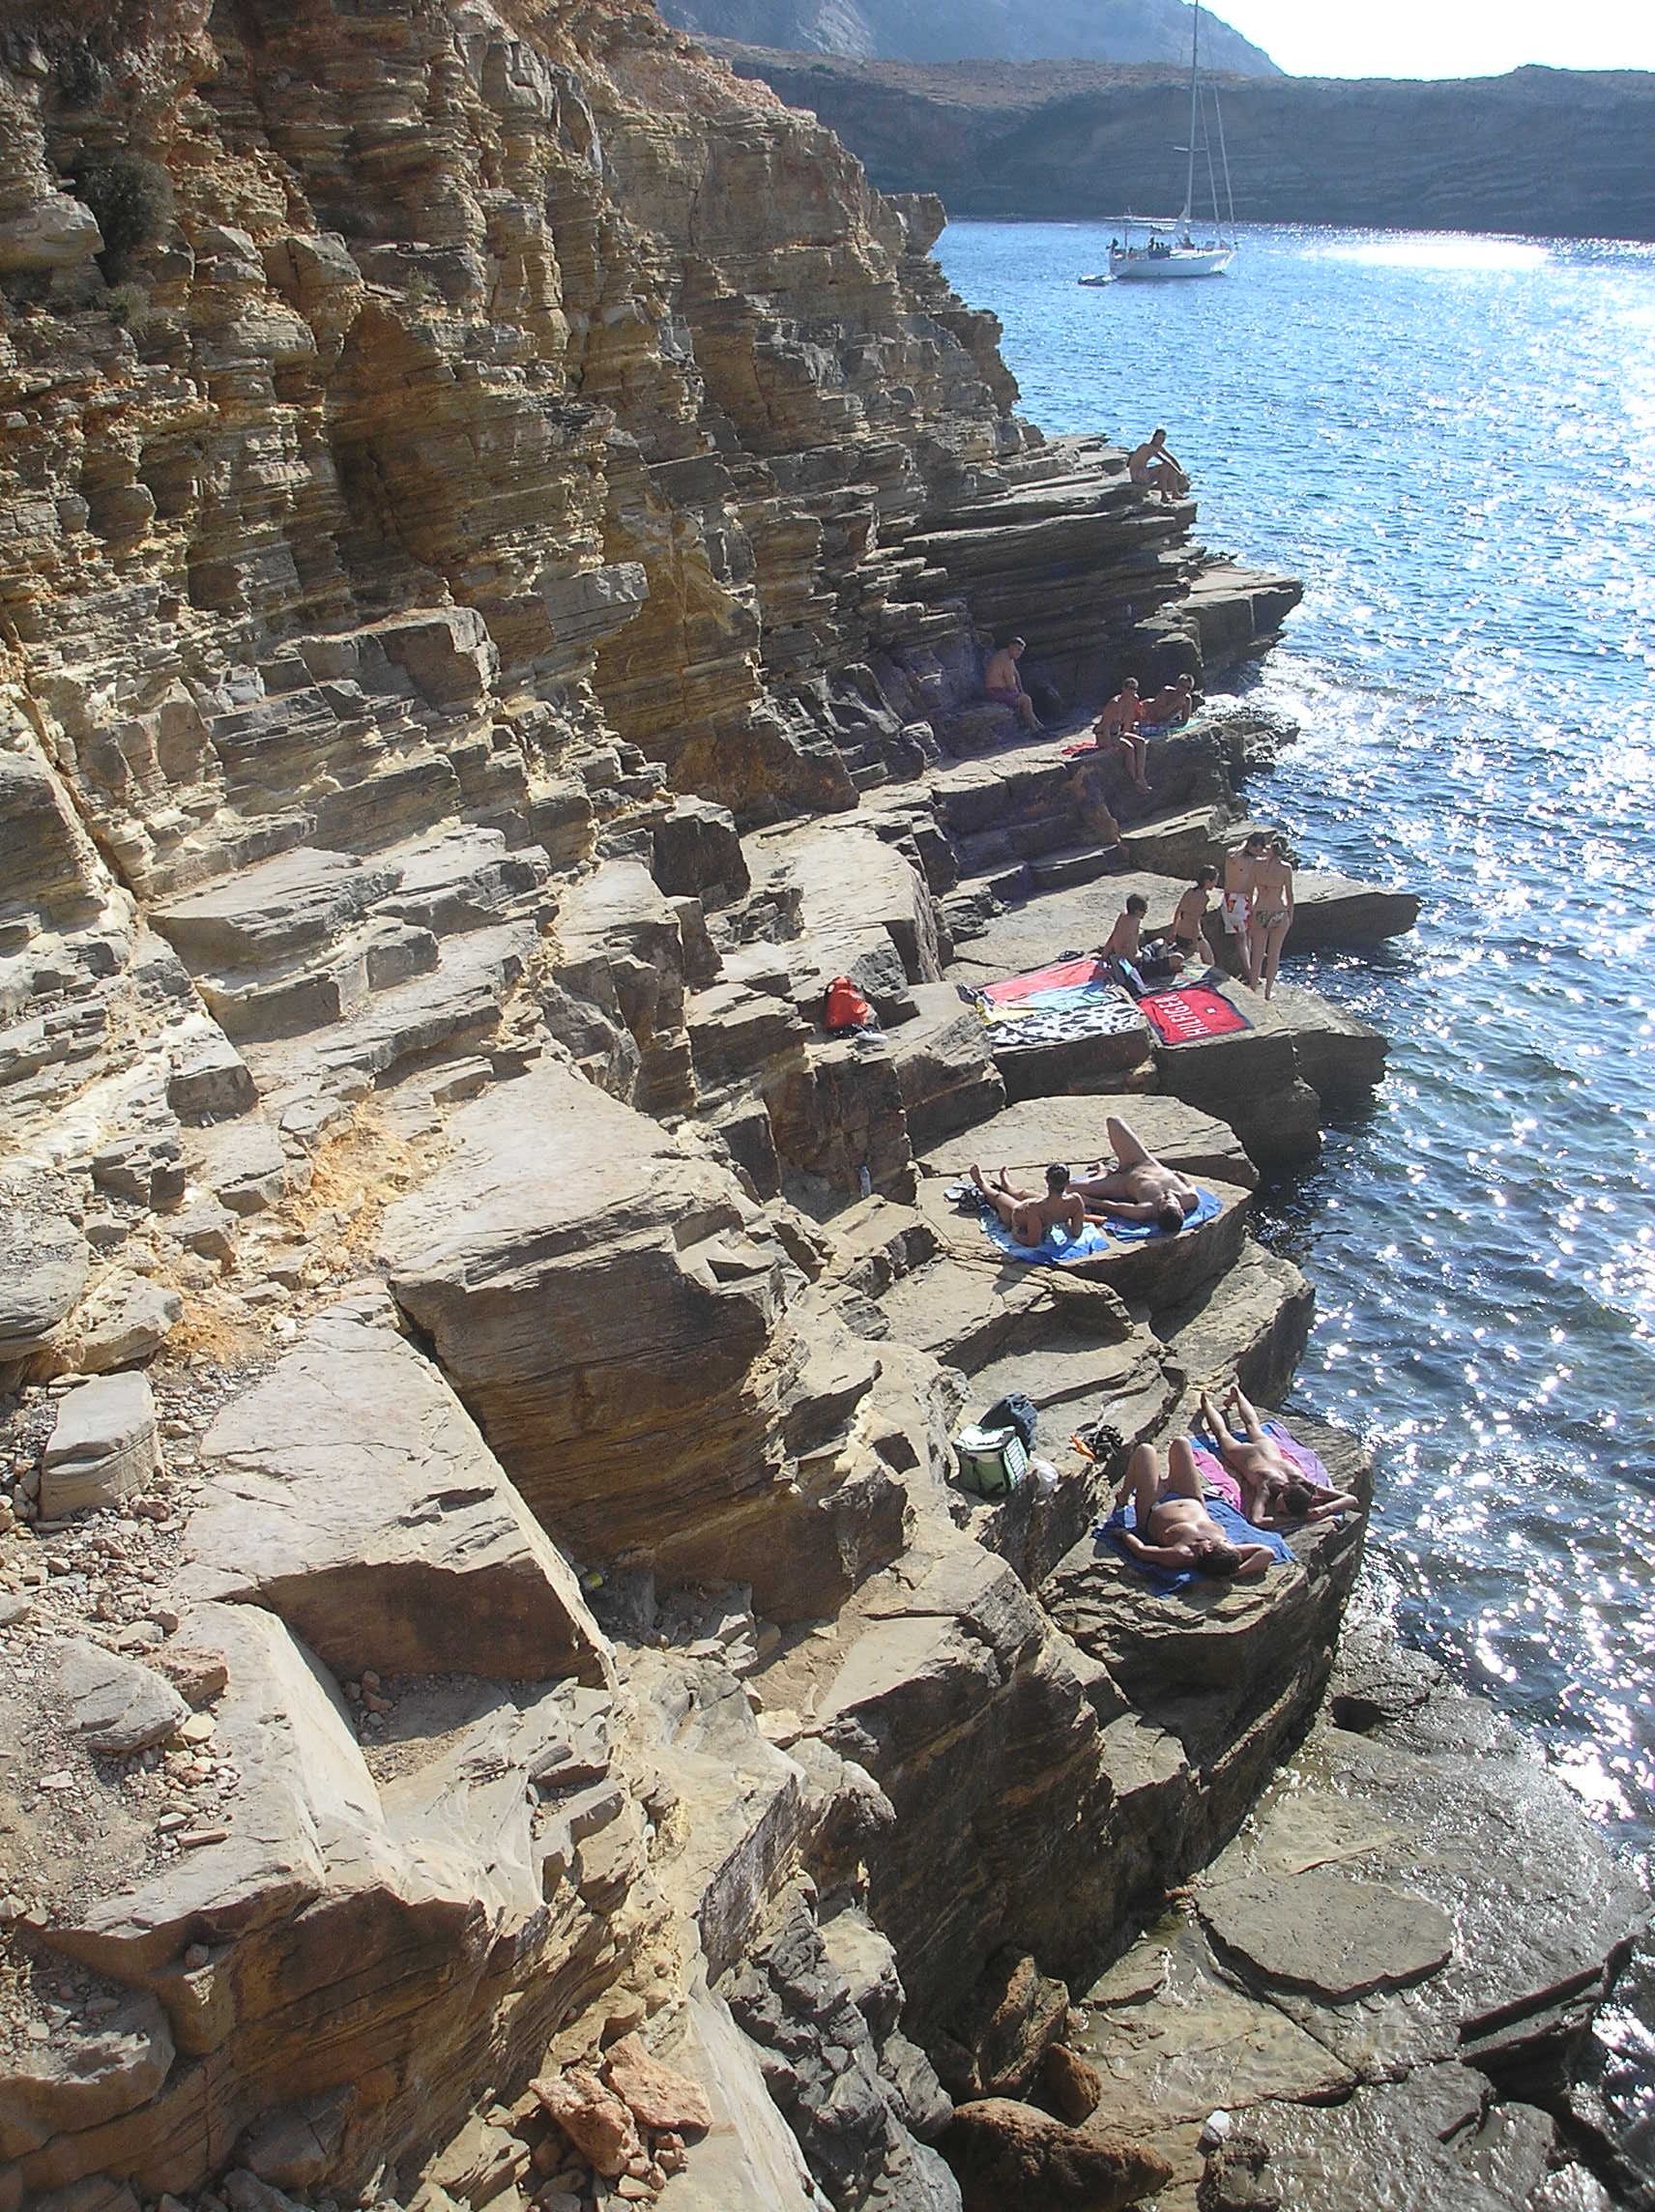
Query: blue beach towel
1056	1247
1209	1207
1235	1528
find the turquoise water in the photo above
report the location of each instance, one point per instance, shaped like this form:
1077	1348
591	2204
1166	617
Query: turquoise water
1453	441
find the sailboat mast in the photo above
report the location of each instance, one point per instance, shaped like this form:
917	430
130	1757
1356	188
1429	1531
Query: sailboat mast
1189	179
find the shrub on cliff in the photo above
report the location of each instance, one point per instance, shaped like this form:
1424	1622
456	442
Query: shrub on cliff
133	201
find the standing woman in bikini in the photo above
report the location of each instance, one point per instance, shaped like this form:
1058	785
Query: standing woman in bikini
1272	913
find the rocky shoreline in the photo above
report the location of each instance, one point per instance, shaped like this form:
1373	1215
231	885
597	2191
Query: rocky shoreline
502	1704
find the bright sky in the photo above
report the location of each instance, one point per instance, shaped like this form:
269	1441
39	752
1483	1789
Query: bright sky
1445	38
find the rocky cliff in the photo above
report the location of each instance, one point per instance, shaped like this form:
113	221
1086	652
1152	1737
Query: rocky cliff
502	1701
1548	152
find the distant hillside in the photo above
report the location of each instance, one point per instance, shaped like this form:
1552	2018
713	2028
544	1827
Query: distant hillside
1113	31
1549	152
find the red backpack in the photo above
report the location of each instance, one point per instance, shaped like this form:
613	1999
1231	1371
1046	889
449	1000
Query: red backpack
845	1008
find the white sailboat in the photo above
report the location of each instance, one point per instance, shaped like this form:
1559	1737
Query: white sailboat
1170	249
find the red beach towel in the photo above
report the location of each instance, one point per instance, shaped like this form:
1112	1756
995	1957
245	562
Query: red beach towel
1186	1016
1062	975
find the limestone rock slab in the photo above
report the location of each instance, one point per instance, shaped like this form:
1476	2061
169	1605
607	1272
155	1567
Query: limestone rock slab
1159	1272
602	1299
114	1706
104	1445
352	1494
43	1257
273	910
1010	2157
85	2076
944	1065
1325	1932
123	1320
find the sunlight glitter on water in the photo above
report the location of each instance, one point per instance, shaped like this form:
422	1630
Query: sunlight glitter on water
1439	249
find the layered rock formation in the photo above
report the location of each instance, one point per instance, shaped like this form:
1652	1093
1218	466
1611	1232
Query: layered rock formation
502	1701
1549	152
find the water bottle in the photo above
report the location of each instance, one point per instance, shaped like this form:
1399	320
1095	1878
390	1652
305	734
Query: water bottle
865	1180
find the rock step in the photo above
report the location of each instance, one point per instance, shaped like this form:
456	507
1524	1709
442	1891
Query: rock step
982	850
1251	1327
449	1010
1075	864
735	1032
374	958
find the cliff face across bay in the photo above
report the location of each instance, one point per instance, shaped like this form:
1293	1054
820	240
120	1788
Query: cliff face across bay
1547	152
501	1701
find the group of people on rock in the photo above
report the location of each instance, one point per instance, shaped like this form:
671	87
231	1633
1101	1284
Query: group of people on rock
1139	1187
1129	721
1256	907
1173	1526
1154	467
1258	904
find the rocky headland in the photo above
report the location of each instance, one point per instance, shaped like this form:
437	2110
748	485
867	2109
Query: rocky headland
502	1701
1544	153
1117	31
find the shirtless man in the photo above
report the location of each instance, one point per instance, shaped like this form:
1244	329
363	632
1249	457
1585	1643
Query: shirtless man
1189	917
1139	1187
1272	912
1237	900
1003	683
1125	942
1172	706
1029	1217
1274	1489
1118	727
1154	465
1173	1526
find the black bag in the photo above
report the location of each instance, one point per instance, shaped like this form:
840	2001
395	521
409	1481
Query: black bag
1013	1412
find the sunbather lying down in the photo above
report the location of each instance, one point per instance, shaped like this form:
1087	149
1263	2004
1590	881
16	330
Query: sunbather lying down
1275	1491
1139	1187
1173	1530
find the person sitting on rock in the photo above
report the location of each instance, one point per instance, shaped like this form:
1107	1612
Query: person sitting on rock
1272	913
1189	918
1139	1187
1172	1528
1275	1491
1154	962
1117	728
1154	465
1172	706
1029	1217
1004	685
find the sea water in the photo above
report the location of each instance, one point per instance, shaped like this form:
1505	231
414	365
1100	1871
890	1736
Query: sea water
1452	441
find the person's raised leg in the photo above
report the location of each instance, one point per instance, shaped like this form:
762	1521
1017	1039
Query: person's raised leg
1250	1420
1183	1476
1129	1148
1222	1436
1144	1479
1002	1201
